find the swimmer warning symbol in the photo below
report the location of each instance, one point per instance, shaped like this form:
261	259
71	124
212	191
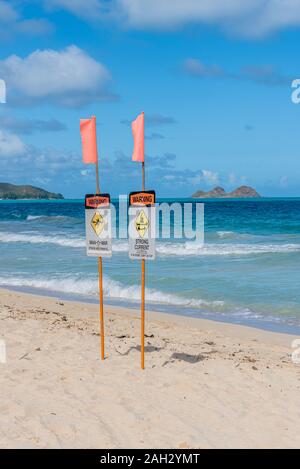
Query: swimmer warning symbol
141	227
98	225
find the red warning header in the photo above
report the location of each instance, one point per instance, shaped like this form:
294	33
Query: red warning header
97	200
142	198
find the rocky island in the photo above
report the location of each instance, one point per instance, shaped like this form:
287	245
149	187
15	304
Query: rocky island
218	192
12	191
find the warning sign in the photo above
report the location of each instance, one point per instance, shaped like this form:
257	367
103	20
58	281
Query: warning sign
142	225
98	225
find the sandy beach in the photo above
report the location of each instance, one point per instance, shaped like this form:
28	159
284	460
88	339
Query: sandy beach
206	384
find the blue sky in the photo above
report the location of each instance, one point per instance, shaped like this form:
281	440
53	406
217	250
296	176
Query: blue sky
213	78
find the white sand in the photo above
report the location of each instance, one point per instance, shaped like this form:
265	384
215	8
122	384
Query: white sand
206	384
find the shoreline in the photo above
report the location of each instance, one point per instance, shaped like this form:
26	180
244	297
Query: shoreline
206	384
231	329
217	326
263	325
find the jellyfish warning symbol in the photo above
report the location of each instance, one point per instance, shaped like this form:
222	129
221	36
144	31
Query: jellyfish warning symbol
142	225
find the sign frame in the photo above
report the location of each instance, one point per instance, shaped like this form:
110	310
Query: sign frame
142	247
97	212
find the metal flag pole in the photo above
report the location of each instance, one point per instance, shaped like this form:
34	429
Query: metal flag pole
143	291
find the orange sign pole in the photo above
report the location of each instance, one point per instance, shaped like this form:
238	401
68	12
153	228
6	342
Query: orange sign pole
90	155
101	306
143	292
100	273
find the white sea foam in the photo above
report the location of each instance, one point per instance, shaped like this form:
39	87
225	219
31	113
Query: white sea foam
194	249
117	291
120	246
162	248
112	289
33	217
225	234
41	239
47	217
33	238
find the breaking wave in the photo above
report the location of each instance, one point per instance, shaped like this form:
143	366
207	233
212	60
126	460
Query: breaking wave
162	248
46	217
226	234
112	289
194	249
41	239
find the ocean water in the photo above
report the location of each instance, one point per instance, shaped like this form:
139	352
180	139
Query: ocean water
247	272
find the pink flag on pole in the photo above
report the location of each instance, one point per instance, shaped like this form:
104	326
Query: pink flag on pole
89	140
138	137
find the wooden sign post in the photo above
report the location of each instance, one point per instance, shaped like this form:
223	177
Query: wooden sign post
142	242
97	215
142	228
98	239
143	291
100	277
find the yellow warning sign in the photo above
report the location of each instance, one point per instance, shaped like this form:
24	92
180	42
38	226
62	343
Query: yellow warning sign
141	223
98	223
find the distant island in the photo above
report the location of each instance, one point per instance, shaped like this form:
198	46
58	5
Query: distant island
11	191
220	193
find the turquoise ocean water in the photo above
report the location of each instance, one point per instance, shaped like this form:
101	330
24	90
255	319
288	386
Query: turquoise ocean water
247	272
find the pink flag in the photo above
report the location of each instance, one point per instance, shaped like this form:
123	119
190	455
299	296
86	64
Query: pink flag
138	137
89	140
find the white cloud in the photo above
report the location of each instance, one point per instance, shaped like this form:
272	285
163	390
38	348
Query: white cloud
245	17
252	18
84	172
284	181
205	176
198	68
210	177
10	145
25	163
86	9
51	167
233	179
29	126
69	77
263	74
152	120
168	13
7	12
11	22
34	26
